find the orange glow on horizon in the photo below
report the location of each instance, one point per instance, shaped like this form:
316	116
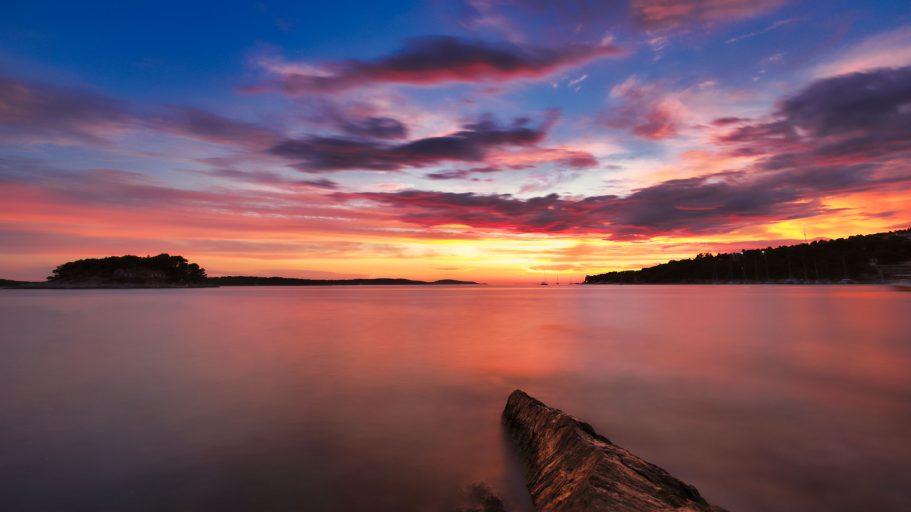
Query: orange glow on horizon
226	243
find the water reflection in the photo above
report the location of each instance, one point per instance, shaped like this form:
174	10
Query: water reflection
764	397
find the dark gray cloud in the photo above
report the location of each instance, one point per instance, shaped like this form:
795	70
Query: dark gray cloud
461	174
853	118
375	128
470	144
440	59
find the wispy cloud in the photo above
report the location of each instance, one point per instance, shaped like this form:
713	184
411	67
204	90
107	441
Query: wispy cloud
32	112
644	109
436	60
886	50
774	26
670	15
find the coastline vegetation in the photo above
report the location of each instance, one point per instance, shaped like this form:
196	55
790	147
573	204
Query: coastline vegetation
161	270
872	258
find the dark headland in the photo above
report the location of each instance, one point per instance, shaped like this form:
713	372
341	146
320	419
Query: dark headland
572	468
876	258
167	271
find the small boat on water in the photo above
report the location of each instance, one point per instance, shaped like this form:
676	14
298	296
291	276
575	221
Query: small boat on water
543	283
903	286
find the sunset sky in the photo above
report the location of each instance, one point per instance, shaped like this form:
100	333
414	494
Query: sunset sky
495	140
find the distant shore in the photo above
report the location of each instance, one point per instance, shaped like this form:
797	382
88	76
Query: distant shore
293	281
794	282
174	271
216	282
879	258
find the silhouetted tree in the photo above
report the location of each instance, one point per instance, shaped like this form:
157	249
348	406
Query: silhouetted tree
854	258
164	269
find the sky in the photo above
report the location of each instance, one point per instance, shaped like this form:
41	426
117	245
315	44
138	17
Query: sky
493	140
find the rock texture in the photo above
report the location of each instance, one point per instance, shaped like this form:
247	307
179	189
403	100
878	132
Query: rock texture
571	468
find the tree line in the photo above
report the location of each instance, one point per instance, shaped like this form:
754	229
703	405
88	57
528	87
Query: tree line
164	268
856	258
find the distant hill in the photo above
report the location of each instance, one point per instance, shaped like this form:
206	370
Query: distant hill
861	258
292	281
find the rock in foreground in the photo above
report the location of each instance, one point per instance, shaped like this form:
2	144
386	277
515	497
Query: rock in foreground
571	468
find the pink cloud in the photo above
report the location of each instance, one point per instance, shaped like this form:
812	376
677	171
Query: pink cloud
687	14
645	110
886	50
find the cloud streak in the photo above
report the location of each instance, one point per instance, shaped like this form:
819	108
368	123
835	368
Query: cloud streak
527	19
890	49
774	26
525	159
470	144
712	204
436	60
673	15
41	113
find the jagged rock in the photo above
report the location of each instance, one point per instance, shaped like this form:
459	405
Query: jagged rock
571	468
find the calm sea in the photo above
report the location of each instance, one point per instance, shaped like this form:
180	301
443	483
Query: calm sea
767	398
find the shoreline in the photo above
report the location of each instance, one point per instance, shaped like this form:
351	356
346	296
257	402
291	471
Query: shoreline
43	286
34	285
27	285
728	283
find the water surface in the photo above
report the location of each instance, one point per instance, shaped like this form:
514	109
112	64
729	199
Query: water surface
767	398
